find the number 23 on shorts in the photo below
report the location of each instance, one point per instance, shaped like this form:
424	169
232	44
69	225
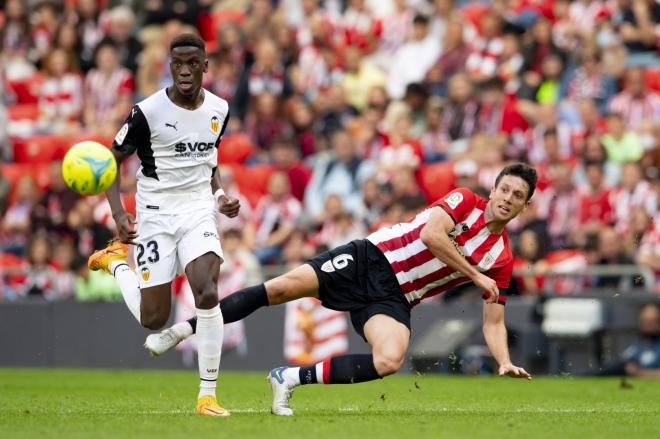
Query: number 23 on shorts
152	256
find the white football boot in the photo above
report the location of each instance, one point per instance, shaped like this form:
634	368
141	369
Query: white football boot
282	392
158	344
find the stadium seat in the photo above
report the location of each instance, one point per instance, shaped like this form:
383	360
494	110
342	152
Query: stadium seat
27	90
235	148
23	111
652	79
436	179
9	261
474	12
38	149
252	180
39	172
70	141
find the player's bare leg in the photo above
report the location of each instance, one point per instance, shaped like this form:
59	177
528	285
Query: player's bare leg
156	306
202	275
299	282
389	342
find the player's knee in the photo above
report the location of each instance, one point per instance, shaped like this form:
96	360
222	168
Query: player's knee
153	321
387	362
207	298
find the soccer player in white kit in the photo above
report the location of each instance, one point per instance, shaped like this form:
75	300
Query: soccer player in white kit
176	133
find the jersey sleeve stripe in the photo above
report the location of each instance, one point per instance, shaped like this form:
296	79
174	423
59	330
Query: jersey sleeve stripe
449	212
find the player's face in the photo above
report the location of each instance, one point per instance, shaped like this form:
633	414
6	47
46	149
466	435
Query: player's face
188	65
508	198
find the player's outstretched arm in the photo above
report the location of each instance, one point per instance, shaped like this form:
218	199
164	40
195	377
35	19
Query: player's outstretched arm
435	236
496	338
125	221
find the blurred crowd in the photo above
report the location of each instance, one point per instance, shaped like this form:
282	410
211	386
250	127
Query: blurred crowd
346	115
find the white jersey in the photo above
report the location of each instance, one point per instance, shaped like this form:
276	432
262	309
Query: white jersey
178	151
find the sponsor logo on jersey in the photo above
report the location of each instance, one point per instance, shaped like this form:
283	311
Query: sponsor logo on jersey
454	200
193	150
193	146
145	273
211	234
121	135
172	125
215	124
327	267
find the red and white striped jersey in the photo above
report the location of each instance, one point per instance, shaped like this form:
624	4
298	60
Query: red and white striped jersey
422	275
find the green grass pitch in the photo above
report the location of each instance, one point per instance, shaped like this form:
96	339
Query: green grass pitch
41	403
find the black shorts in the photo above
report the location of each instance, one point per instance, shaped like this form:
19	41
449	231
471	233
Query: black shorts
357	278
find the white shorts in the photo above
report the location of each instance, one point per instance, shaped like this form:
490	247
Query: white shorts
168	243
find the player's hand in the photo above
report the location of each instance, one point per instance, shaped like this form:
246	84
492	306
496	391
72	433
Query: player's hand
489	286
126	227
514	371
229	206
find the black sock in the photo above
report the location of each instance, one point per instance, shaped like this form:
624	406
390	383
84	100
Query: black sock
240	304
345	369
307	375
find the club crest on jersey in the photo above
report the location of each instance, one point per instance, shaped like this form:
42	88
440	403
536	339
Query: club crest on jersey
215	125
454	199
145	273
121	135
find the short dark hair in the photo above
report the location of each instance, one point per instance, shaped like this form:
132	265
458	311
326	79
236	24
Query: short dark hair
523	171
421	19
188	40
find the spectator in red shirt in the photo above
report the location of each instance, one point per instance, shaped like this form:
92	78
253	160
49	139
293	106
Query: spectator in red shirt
286	159
49	215
486	50
451	59
588	81
48	17
302	120
108	92
561	207
16	224
497	112
633	193
539	47
635	102
15	38
648	254
459	117
529	254
61	95
402	152
277	213
594	208
89	31
265	122
267	74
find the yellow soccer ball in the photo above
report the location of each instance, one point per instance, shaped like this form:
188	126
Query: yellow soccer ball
89	168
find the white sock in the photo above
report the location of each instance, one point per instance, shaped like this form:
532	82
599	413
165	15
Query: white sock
129	286
292	376
210	328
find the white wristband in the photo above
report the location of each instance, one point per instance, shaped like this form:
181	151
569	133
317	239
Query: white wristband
218	194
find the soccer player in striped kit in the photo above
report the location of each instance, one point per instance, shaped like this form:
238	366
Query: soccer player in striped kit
460	238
